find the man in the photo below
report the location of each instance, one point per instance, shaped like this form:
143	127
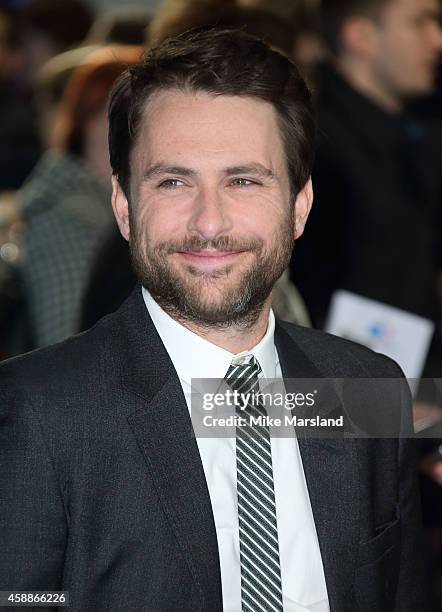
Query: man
105	492
103	294
375	229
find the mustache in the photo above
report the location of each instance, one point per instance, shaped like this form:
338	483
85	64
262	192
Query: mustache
195	244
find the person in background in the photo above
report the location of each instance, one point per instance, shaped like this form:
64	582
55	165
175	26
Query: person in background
29	37
50	85
377	172
121	26
66	202
375	229
43	108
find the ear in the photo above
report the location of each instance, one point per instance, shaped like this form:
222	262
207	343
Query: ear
301	209
120	206
359	36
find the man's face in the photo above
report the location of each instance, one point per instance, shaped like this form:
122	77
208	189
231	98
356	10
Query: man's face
409	44
212	216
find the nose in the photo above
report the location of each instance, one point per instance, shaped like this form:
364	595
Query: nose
209	216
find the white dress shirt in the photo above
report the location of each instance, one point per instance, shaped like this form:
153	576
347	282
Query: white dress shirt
302	574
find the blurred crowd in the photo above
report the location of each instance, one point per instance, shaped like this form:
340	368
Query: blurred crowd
376	226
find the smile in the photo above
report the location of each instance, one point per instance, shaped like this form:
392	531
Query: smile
209	260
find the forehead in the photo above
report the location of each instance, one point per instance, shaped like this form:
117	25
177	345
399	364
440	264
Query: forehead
203	127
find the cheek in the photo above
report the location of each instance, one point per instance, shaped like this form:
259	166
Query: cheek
157	225
394	61
264	213
266	225
406	48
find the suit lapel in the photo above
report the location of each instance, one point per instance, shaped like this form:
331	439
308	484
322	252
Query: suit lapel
161	424
330	467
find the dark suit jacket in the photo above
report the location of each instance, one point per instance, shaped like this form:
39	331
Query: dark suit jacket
103	494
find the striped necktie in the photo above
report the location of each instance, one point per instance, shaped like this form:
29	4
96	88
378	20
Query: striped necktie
258	534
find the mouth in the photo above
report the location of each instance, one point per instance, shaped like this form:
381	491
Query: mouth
209	260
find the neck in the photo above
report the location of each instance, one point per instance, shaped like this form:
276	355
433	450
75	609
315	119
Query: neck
234	339
361	78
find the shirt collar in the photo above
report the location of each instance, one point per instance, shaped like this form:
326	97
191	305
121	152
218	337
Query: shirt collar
195	357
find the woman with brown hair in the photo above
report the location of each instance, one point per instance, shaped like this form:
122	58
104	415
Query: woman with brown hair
66	201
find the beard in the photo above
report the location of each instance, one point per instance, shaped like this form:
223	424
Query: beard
212	299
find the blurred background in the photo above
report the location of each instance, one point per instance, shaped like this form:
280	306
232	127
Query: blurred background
369	265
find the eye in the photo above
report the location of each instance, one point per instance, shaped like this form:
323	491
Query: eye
243	182
171	183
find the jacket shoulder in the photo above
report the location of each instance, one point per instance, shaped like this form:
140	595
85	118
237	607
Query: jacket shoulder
68	364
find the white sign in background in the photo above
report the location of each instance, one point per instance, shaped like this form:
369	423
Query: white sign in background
403	336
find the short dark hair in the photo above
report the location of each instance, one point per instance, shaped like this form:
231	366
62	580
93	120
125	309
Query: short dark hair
226	62
334	13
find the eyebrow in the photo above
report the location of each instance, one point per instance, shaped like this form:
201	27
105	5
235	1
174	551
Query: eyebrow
161	169
255	169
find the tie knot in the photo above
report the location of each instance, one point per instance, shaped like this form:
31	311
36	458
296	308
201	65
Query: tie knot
243	373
